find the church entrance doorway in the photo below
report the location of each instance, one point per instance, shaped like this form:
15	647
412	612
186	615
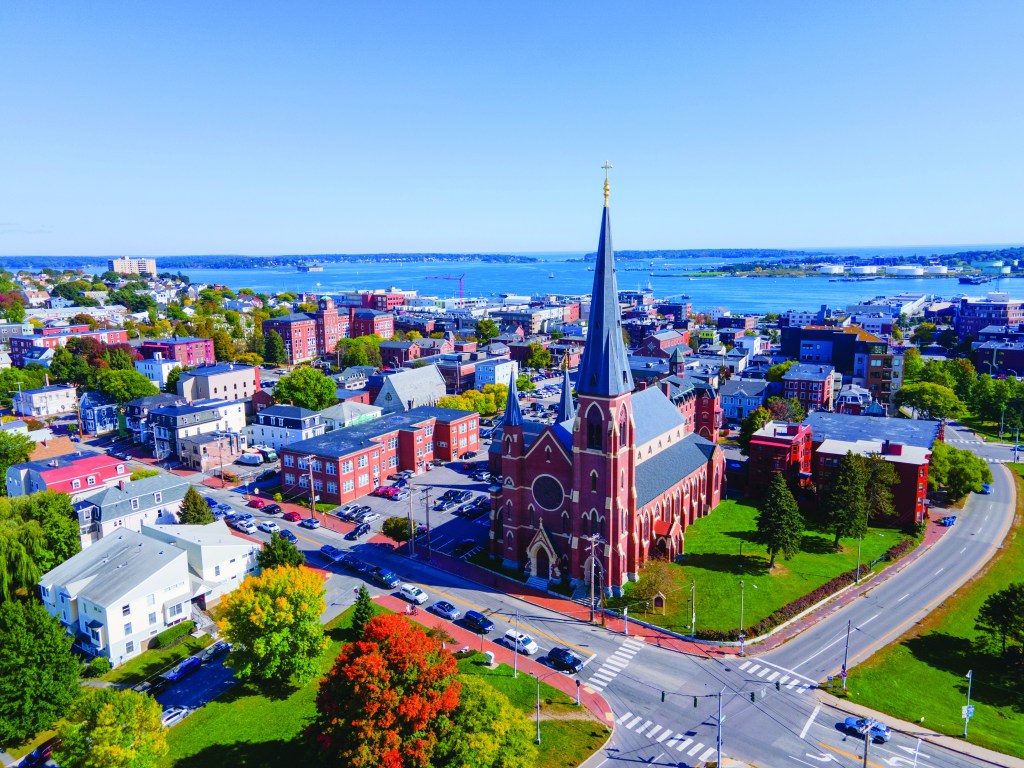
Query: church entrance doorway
543	564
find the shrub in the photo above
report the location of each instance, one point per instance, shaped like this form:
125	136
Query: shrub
229	477
278	497
169	636
97	666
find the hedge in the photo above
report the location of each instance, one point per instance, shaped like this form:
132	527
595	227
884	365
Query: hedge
798	606
168	636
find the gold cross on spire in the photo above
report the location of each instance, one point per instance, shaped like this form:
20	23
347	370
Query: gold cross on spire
607	167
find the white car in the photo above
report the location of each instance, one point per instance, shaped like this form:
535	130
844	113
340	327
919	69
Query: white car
369	517
520	643
173	715
269	526
246	526
413	594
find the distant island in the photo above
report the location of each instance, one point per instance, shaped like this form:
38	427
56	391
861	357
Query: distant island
262	262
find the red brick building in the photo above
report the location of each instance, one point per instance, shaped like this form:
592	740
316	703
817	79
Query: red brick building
383	301
22	345
365	322
187	350
662	344
811	384
348	463
779	447
308	335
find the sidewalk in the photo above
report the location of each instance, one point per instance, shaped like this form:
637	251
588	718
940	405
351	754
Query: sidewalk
917	730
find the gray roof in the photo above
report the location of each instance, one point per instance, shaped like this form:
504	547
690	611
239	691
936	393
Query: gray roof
288	412
666	468
51	388
294	317
115	502
113	565
653	415
604	370
217	368
415	385
345	441
744	388
843	426
808	372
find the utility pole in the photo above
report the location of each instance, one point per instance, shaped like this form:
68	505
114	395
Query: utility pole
515	649
846	653
693	610
412	530
718	744
594	539
742	636
426	496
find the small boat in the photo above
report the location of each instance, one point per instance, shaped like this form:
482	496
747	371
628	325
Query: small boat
551	275
590	269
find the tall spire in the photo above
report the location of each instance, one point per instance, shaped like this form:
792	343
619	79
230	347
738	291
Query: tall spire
605	367
513	415
566	407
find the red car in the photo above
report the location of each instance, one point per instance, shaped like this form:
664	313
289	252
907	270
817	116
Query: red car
256	503
291	517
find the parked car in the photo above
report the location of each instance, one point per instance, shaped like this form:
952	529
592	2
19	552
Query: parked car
520	642
272	509
384	578
246	526
369	517
231	519
220	648
464	547
256	503
352	563
986	488
565	660
857	725
41	754
310	522
210	501
250	459
400	495
182	670
268	474
173	715
360	530
269	526
413	594
477	622
443	505
291	517
446	610
223	508
331	552
289	536
449	495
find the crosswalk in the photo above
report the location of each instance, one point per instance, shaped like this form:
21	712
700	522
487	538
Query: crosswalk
669	738
770	675
614	664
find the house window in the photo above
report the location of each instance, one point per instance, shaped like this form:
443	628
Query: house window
216	570
76	483
346	467
332	469
126	610
151	599
363	461
289	461
594	429
364	479
152	618
348	486
175	610
129	647
135	504
128	628
90	480
332	487
158	497
289	478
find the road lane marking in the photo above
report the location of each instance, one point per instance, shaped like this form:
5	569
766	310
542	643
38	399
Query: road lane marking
664	735
624	718
940	570
783	679
908	594
674	740
810	720
708	753
793	684
848	754
764	672
868	621
684	745
753	669
744	665
790	671
825	648
638	644
653	731
644	727
609	662
696	749
772	676
632	724
963	550
604	677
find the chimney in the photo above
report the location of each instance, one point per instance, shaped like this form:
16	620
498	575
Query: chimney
120	484
666	388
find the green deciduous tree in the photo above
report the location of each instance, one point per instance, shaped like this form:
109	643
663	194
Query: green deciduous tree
912	365
776	372
273	620
223	346
171	387
396	528
846	501
273	348
307	388
14	449
780	527
1001	617
363	610
486	329
37	533
932	401
388	699
194	509
756	419
485	730
111	728
38	672
539	357
124	385
279	553
958	471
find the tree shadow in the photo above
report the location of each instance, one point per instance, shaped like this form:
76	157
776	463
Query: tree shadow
816	545
264	754
750	565
995	681
745	535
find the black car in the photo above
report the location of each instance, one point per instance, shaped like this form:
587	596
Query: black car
360	530
449	495
565	660
463	496
271	509
220	648
477	622
352	563
269	474
463	547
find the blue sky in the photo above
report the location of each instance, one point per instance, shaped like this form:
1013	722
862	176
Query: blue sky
262	128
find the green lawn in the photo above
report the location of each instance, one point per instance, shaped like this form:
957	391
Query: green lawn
151	662
988	430
247	728
720	553
937	654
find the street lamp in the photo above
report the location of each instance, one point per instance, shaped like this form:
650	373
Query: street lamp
693	609
539	678
742	596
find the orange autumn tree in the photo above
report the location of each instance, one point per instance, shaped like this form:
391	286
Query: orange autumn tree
388	698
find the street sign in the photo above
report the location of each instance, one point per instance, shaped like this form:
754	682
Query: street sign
967	712
843	674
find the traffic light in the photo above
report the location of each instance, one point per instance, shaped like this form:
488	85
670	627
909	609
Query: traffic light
662	697
778	686
694	702
753	697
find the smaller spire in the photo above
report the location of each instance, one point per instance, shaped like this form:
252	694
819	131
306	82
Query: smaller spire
607	188
513	415
566	406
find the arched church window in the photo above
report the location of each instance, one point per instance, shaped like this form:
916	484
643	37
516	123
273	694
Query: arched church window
593	482
594	428
508	446
529	509
565	522
547	454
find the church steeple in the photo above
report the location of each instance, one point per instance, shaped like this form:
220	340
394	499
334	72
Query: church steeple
566	407
604	371
513	414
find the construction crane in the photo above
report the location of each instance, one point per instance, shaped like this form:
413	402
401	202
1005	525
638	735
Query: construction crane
449	277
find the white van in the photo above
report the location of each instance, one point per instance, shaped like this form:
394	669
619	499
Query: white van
520	643
413	594
250	459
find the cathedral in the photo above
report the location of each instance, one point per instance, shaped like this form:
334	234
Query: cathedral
617	478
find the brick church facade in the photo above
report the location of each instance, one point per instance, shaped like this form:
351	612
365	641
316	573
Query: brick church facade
617	478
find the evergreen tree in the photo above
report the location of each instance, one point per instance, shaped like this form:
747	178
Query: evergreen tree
780	526
846	500
363	611
194	509
279	552
880	478
273	348
1001	617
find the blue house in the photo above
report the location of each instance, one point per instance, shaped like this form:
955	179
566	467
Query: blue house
99	413
741	396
